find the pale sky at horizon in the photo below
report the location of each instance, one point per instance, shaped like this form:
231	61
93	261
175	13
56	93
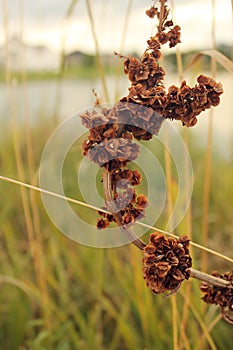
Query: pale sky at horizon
43	24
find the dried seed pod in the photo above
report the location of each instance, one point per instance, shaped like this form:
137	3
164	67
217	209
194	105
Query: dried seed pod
152	12
136	178
142	202
166	263
140	115
147	88
102	224
219	295
120	149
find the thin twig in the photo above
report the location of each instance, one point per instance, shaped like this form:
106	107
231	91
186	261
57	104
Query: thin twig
50	193
75	201
109	200
97	51
208	157
161	17
127	232
215	281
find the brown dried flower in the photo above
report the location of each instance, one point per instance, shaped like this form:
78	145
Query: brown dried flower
152	12
147	88
219	295
166	263
136	178
185	103
101	224
127	204
142	202
174	36
117	149
139	115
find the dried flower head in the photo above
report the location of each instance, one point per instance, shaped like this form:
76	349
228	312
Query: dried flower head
166	263
128	206
147	88
152	12
139	116
219	295
101	224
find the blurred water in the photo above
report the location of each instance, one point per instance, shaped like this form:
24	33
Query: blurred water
38	101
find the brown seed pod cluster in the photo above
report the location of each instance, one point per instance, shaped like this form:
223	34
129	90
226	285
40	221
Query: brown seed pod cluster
110	145
130	207
167	31
166	263
219	295
140	114
146	76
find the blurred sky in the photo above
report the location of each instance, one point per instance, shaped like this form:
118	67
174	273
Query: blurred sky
43	23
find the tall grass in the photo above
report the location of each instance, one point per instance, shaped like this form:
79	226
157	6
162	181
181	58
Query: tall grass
97	52
188	217
29	204
61	69
122	46
208	157
57	294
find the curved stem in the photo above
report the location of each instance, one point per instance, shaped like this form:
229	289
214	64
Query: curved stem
161	17
215	281
109	200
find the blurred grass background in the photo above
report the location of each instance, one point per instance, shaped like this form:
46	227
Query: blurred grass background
57	294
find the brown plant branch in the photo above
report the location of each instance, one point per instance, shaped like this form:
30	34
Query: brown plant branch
215	281
109	200
161	16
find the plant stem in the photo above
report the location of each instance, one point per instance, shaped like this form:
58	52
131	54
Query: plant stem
215	281
109	200
97	52
161	17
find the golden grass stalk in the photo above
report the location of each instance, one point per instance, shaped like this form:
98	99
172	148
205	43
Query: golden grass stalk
168	174
200	321
215	55
29	207
209	329
188	216
72	200
97	52
122	47
208	157
15	136
67	16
